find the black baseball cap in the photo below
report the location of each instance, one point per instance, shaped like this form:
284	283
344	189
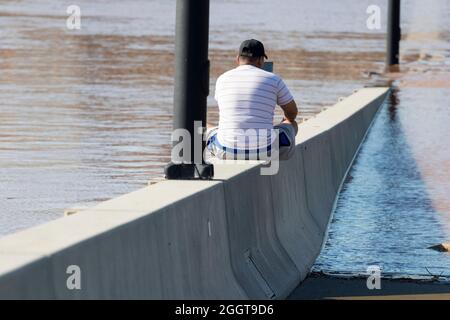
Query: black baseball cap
252	48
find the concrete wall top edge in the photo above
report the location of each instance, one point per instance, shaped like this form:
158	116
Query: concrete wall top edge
338	113
46	239
352	104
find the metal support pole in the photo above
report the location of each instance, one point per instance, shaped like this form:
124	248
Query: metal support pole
191	86
393	33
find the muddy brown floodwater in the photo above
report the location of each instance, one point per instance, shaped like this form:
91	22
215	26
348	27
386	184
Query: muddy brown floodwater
86	114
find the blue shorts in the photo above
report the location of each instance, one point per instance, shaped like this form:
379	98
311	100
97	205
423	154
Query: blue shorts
286	138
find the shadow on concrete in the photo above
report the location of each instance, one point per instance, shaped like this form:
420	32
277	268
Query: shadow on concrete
327	287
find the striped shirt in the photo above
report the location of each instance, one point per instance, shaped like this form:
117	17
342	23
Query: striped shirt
247	97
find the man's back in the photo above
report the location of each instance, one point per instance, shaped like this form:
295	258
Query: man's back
247	97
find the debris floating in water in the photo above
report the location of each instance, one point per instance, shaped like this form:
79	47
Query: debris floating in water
442	247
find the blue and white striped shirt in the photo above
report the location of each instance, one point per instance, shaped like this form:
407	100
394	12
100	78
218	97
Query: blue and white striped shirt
247	97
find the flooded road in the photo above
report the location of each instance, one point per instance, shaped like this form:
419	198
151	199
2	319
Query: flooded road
86	114
395	202
386	214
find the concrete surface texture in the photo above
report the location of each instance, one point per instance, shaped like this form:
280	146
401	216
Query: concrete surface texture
241	236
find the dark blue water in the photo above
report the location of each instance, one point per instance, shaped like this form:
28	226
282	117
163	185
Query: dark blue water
385	214
395	202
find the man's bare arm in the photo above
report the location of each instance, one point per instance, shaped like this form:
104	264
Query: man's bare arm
290	114
290	110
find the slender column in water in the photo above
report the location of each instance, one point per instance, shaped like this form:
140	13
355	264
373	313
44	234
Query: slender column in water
191	86
393	34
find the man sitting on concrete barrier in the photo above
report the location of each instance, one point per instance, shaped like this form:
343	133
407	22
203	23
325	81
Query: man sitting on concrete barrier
247	97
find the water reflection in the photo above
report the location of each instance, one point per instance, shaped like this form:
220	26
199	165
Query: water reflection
385	216
393	102
397	203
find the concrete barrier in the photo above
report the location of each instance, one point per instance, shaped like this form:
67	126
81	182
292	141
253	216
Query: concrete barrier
241	236
260	263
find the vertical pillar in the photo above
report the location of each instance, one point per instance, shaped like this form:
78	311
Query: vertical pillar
191	86
393	33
